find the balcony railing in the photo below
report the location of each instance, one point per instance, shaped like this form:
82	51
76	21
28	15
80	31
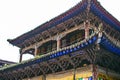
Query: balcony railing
78	42
50	53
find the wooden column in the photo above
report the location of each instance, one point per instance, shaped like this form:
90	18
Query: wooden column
74	74
20	60
36	51
58	39
86	25
21	54
100	29
58	44
95	73
44	77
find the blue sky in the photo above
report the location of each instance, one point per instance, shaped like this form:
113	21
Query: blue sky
20	16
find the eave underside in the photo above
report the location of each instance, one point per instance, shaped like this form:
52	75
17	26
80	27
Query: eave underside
61	20
81	58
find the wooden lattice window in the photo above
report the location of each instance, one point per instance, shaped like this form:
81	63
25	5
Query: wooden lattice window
54	46
48	48
42	51
64	43
72	39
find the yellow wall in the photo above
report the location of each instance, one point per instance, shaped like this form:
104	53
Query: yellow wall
68	75
83	74
35	78
60	76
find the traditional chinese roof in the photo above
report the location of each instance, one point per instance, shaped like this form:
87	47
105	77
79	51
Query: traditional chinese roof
95	8
3	62
75	52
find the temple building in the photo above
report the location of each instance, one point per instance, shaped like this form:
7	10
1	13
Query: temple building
83	43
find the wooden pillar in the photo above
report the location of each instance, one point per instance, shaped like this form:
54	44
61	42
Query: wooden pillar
21	54
44	77
100	29
36	51
95	73
86	25
58	44
58	39
20	57
86	33
74	74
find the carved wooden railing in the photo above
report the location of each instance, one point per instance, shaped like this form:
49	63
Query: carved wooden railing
68	47
50	53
